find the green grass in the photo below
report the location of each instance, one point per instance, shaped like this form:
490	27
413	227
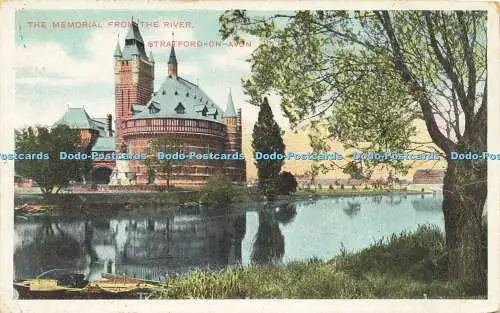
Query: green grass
408	265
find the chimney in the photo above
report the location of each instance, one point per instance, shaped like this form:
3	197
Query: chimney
109	123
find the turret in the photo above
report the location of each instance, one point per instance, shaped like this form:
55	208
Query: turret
118	51
172	63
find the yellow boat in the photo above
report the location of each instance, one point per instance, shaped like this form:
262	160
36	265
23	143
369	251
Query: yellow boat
74	286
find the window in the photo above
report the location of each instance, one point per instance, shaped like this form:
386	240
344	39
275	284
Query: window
176	93
179	109
187	94
163	92
204	111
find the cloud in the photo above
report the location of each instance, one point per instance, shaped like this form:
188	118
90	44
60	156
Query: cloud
49	63
232	59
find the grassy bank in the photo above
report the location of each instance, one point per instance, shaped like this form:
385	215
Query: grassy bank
180	197
403	266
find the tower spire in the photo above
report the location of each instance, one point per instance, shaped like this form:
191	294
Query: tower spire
230	110
118	50
172	60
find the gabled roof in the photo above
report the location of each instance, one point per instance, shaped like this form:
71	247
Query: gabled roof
175	90
77	118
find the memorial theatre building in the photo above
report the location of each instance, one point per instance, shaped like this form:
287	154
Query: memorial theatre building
179	110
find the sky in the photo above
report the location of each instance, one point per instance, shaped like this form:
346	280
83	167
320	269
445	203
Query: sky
60	67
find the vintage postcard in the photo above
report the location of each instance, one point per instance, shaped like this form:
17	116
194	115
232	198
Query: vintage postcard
327	157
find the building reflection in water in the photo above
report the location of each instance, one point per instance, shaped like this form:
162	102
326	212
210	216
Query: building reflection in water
146	247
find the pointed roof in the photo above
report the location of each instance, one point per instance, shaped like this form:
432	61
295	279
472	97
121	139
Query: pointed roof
134	33
230	110
172	59
118	50
134	44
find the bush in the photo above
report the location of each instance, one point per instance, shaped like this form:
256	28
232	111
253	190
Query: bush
287	183
218	190
342	186
330	187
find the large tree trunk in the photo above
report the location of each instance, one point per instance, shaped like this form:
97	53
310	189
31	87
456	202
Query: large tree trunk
464	192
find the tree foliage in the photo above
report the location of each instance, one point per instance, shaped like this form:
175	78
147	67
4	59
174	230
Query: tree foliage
287	183
53	174
219	189
166	167
365	77
267	140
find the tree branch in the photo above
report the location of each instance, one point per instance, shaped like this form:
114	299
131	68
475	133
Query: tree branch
418	92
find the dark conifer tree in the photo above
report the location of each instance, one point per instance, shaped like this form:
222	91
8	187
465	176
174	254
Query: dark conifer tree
267	139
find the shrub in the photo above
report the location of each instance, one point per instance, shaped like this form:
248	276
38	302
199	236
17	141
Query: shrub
330	187
218	190
342	186
286	183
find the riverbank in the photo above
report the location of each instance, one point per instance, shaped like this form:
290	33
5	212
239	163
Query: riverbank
405	266
129	200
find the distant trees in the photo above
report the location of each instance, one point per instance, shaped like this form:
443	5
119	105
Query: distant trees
267	139
51	174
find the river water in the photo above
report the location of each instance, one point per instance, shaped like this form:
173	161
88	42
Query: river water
153	243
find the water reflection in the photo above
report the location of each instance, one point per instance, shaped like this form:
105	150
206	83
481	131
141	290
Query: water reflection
152	244
144	247
427	203
269	244
52	248
353	208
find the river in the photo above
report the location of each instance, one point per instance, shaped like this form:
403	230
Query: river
152	243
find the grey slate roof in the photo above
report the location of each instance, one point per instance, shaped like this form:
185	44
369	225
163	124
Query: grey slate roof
77	118
134	33
104	144
230	111
134	44
175	90
118	50
172	59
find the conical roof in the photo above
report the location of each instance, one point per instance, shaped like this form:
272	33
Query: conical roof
230	110
118	50
172	59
